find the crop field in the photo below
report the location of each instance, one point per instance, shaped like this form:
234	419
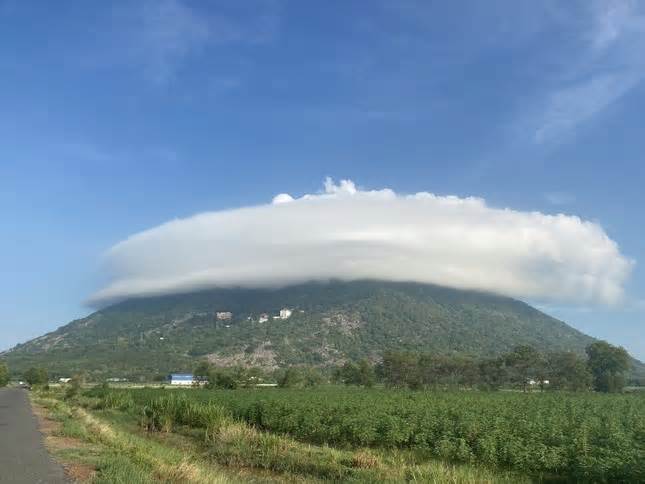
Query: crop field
544	435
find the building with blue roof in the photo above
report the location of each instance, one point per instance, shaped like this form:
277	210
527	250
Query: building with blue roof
181	379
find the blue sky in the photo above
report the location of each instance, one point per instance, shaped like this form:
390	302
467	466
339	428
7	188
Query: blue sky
119	116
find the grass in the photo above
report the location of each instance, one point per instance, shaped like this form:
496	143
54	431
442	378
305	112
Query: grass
120	456
584	436
231	451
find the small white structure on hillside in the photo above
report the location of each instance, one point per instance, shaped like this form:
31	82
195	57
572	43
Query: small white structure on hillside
285	313
264	317
64	380
223	315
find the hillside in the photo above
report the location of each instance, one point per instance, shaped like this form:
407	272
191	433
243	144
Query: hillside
331	322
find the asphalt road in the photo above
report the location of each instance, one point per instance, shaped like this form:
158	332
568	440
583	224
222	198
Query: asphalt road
23	457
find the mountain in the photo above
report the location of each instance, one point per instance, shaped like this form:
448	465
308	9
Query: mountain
330	323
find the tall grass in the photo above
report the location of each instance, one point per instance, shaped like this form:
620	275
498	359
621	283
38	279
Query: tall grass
239	445
153	455
162	414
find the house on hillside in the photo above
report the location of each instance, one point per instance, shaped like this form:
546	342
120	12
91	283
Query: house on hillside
264	317
285	313
186	379
223	315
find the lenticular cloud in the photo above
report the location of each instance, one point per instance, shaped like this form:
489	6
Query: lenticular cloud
347	233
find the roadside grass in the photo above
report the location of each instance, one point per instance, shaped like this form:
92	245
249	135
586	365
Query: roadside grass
125	446
118	457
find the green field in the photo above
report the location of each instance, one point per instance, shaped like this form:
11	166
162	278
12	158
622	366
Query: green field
540	435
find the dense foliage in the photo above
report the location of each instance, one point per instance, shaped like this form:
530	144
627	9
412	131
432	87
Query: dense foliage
331	323
36	376
608	365
523	368
577	436
4	374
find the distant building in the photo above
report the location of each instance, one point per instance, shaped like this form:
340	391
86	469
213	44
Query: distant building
223	315
64	380
264	317
285	313
186	379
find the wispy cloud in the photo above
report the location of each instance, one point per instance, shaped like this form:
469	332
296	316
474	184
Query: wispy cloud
160	35
607	66
348	233
559	198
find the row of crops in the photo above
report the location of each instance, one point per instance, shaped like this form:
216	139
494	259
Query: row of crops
582	436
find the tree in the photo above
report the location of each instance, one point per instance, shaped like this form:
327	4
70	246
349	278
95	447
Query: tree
607	364
4	374
312	377
356	374
493	373
366	374
401	369
447	371
203	369
568	371
291	378
36	376
525	363
222	378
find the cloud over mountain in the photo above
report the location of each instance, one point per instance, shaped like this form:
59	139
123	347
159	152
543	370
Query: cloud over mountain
347	233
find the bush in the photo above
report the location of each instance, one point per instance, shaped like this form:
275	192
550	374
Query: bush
36	376
4	374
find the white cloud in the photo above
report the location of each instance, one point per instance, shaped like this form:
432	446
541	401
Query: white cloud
348	233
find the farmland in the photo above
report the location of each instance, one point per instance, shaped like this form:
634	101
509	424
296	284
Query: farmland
531	436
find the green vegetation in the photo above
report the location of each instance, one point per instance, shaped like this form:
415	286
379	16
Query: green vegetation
118	455
4	374
361	374
542	435
332	323
172	437
36	376
522	368
608	365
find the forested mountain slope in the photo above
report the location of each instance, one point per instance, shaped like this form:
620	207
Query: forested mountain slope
330	323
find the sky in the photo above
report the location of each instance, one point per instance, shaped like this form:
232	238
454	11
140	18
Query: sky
153	146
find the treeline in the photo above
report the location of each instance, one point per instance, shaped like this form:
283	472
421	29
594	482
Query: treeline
33	376
523	368
603	369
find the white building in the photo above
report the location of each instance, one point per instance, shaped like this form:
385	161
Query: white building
285	313
223	315
64	380
185	379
